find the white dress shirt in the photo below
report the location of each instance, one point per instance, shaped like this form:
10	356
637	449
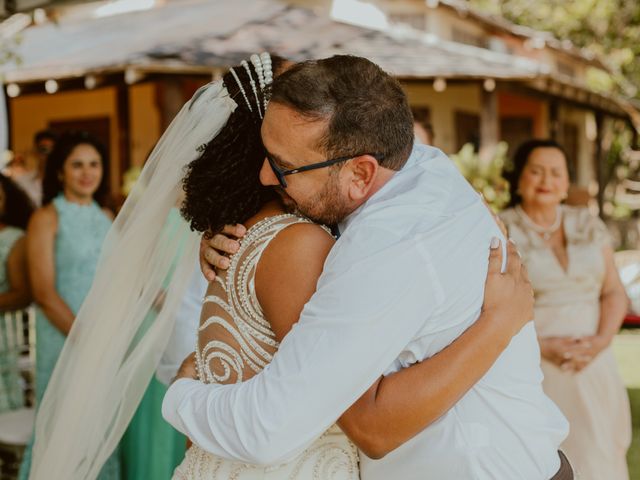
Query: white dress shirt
185	332
403	281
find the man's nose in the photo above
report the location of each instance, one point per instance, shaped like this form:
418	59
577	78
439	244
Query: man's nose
267	177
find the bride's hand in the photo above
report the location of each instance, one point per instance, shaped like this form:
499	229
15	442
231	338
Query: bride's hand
187	369
214	251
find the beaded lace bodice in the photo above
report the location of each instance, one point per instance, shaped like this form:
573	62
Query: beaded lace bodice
235	341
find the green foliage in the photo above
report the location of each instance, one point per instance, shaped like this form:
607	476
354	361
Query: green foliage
620	167
609	28
626	347
129	179
633	454
485	175
600	81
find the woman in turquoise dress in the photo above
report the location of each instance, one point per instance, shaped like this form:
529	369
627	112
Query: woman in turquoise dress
64	239
15	210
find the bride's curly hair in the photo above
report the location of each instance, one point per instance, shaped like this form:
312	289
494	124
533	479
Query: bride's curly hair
222	185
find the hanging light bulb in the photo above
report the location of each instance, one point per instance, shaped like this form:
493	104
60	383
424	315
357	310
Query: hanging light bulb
90	82
51	86
132	76
13	90
439	84
489	85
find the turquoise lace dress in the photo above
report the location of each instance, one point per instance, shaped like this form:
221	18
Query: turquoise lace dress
81	232
11	396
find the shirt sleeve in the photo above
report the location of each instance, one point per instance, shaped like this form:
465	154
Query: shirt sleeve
366	309
184	336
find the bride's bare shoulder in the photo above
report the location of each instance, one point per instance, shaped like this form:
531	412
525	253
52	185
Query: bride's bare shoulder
288	272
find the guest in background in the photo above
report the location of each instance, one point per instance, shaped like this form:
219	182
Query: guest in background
15	210
422	128
580	305
64	239
31	181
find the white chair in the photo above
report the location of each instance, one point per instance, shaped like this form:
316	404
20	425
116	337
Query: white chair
17	365
16	427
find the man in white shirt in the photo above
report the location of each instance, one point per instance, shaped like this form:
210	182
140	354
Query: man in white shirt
31	181
404	280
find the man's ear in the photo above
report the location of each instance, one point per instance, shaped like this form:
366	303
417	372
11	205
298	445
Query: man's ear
362	171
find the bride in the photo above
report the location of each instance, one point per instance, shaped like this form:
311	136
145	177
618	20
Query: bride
121	329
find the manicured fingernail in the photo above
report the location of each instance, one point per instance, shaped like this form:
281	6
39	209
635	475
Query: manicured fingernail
240	230
495	243
224	263
233	246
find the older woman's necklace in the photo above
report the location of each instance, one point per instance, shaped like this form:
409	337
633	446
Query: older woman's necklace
545	232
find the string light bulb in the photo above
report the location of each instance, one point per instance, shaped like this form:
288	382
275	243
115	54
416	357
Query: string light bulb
51	86
13	90
90	82
439	84
489	85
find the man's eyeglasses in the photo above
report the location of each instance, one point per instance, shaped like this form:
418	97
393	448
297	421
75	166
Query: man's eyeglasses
281	174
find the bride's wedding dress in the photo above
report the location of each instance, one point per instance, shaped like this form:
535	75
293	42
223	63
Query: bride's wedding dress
235	342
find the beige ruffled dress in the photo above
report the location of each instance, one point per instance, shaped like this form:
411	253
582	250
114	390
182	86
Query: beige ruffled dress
568	304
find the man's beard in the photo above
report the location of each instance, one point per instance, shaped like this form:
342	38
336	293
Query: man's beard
327	207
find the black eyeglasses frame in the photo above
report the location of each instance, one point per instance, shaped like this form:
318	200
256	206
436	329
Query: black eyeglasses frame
281	174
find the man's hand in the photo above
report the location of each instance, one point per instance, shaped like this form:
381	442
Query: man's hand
188	368
214	251
509	295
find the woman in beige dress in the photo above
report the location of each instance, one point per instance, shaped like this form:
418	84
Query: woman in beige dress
579	307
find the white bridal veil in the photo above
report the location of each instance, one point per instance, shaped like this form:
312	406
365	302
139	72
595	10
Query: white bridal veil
125	322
